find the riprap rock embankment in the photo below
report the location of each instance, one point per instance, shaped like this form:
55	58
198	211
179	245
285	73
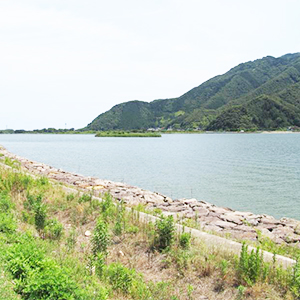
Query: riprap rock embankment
224	221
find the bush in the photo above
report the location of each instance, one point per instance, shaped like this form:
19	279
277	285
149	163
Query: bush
185	240
50	281
295	282
71	239
85	198
6	204
37	277
37	209
251	266
165	231
70	197
118	228
24	257
8	223
42	180
40	214
6	287
107	207
35	204
100	239
120	277
53	229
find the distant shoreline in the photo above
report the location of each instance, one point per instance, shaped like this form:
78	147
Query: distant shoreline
126	133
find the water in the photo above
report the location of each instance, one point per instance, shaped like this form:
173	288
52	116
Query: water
248	172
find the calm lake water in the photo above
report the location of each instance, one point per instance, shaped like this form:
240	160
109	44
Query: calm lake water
248	172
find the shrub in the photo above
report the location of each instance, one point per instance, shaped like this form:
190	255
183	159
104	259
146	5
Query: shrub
107	206
35	204
6	204
165	231
127	281
42	180
23	257
118	228
6	287
70	197
50	281
40	216
85	198
251	266
7	223
185	240
99	264
93	292
53	229
71	240
295	282
100	239
37	277
120	277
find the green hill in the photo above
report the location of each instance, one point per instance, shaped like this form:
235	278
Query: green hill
261	94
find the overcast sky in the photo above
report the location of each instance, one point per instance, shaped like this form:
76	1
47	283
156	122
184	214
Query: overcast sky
63	62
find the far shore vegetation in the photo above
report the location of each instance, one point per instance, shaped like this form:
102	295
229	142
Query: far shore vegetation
127	134
157	132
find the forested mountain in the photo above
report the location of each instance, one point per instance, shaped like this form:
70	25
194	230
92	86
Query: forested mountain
261	94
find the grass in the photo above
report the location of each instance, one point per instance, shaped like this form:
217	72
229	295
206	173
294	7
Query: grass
263	242
126	134
47	253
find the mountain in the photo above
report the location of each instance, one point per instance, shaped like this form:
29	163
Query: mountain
260	94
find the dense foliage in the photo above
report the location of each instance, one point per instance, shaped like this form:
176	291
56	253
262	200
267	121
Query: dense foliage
262	94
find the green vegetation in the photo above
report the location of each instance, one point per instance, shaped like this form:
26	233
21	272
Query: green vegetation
165	232
259	95
126	134
48	130
46	252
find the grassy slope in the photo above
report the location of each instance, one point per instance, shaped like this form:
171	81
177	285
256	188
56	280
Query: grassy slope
133	266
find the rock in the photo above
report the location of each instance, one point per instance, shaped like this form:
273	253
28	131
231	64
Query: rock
189	214
177	203
200	211
176	208
87	233
238	235
245	228
251	221
211	219
211	228
228	217
168	199
190	201
219	210
225	225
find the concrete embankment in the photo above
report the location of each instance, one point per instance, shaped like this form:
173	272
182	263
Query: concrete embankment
224	221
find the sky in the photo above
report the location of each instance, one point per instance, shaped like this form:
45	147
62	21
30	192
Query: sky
64	62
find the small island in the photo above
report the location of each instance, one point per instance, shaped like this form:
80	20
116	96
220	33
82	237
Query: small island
127	134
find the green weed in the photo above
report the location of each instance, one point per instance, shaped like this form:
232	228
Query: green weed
101	238
165	233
